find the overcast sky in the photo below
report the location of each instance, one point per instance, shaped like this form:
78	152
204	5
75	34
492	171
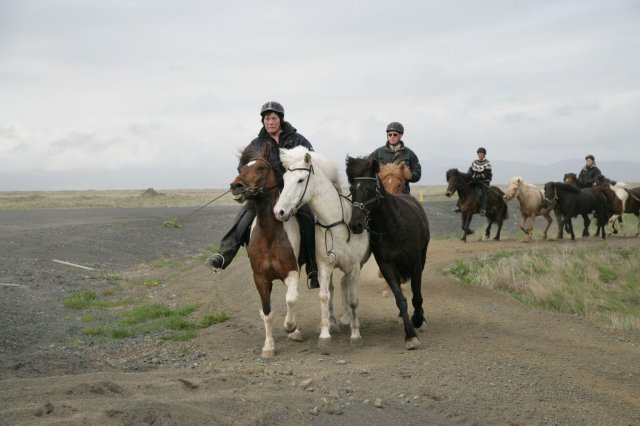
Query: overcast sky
136	94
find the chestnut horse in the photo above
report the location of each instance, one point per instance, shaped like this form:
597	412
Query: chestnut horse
468	202
530	198
273	246
399	231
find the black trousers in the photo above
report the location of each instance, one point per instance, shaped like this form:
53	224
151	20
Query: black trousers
240	231
482	190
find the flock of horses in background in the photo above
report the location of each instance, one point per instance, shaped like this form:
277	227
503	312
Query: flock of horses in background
606	201
376	217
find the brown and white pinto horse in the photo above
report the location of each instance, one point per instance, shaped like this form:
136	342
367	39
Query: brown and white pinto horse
468	202
273	246
530	198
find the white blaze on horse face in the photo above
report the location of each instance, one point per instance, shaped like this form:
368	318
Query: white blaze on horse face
251	163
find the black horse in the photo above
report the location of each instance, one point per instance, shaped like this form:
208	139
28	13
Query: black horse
469	203
399	236
573	201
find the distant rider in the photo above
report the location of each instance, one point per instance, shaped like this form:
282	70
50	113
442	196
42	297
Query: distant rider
589	172
481	173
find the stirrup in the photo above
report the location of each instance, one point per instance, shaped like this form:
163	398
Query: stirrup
209	262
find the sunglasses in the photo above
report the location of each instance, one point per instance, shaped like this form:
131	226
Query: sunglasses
393	134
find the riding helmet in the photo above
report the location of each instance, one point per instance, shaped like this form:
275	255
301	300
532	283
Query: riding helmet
481	150
272	106
394	126
590	156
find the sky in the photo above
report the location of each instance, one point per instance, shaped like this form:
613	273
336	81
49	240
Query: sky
151	93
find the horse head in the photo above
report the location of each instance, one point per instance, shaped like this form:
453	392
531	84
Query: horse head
550	195
456	180
512	190
570	178
364	184
299	172
393	176
255	174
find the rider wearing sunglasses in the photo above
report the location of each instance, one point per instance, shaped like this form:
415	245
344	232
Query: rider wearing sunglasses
394	151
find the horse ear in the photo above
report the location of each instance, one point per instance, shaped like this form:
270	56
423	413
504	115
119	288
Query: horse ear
307	158
266	151
375	167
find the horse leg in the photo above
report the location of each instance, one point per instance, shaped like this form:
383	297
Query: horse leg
264	288
332	316
522	222
532	222
546	228
500	222
487	231
569	225
587	222
324	276
348	286
466	222
345	318
290	323
410	339
416	288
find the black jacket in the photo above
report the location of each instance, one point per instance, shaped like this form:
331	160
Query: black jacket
588	176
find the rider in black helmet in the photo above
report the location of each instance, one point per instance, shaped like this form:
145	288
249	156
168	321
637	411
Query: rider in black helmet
481	173
394	151
281	135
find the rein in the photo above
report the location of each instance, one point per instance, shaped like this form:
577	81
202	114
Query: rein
306	185
376	199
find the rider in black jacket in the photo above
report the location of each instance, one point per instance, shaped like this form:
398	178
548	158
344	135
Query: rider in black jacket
589	172
281	135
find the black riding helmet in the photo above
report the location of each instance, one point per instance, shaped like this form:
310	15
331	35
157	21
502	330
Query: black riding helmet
272	106
394	126
481	150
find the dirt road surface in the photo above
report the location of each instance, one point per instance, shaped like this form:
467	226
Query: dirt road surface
484	359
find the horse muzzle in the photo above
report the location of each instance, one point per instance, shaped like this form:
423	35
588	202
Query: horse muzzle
239	192
281	215
448	193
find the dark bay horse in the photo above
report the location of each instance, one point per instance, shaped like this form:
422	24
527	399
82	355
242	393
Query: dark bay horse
469	203
399	236
273	246
573	201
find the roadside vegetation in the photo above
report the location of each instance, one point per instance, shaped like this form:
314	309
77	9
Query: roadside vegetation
123	310
600	283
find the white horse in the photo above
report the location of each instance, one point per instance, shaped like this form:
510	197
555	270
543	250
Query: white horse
312	179
530	198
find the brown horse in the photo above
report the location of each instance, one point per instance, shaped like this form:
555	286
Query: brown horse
273	246
468	202
393	177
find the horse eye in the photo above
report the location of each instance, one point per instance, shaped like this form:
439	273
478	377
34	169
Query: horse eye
300	180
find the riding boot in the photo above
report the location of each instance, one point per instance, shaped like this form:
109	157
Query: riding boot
233	239
308	245
483	200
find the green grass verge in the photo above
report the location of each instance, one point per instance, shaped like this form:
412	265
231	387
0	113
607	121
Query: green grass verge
601	283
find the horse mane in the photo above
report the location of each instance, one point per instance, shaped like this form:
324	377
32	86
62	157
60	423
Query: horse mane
293	155
358	167
516	179
567	186
452	172
397	169
249	153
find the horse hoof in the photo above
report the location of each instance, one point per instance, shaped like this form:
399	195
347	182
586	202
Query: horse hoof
324	342
296	336
412	343
268	354
290	328
356	342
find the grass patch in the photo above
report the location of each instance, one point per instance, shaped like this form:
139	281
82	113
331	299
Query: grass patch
601	283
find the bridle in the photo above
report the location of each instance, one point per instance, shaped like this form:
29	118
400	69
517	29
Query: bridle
310	171
253	190
555	196
364	206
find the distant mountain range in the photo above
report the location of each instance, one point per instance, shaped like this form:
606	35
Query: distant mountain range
434	170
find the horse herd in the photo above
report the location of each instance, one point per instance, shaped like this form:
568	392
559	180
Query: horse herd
375	217
607	201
